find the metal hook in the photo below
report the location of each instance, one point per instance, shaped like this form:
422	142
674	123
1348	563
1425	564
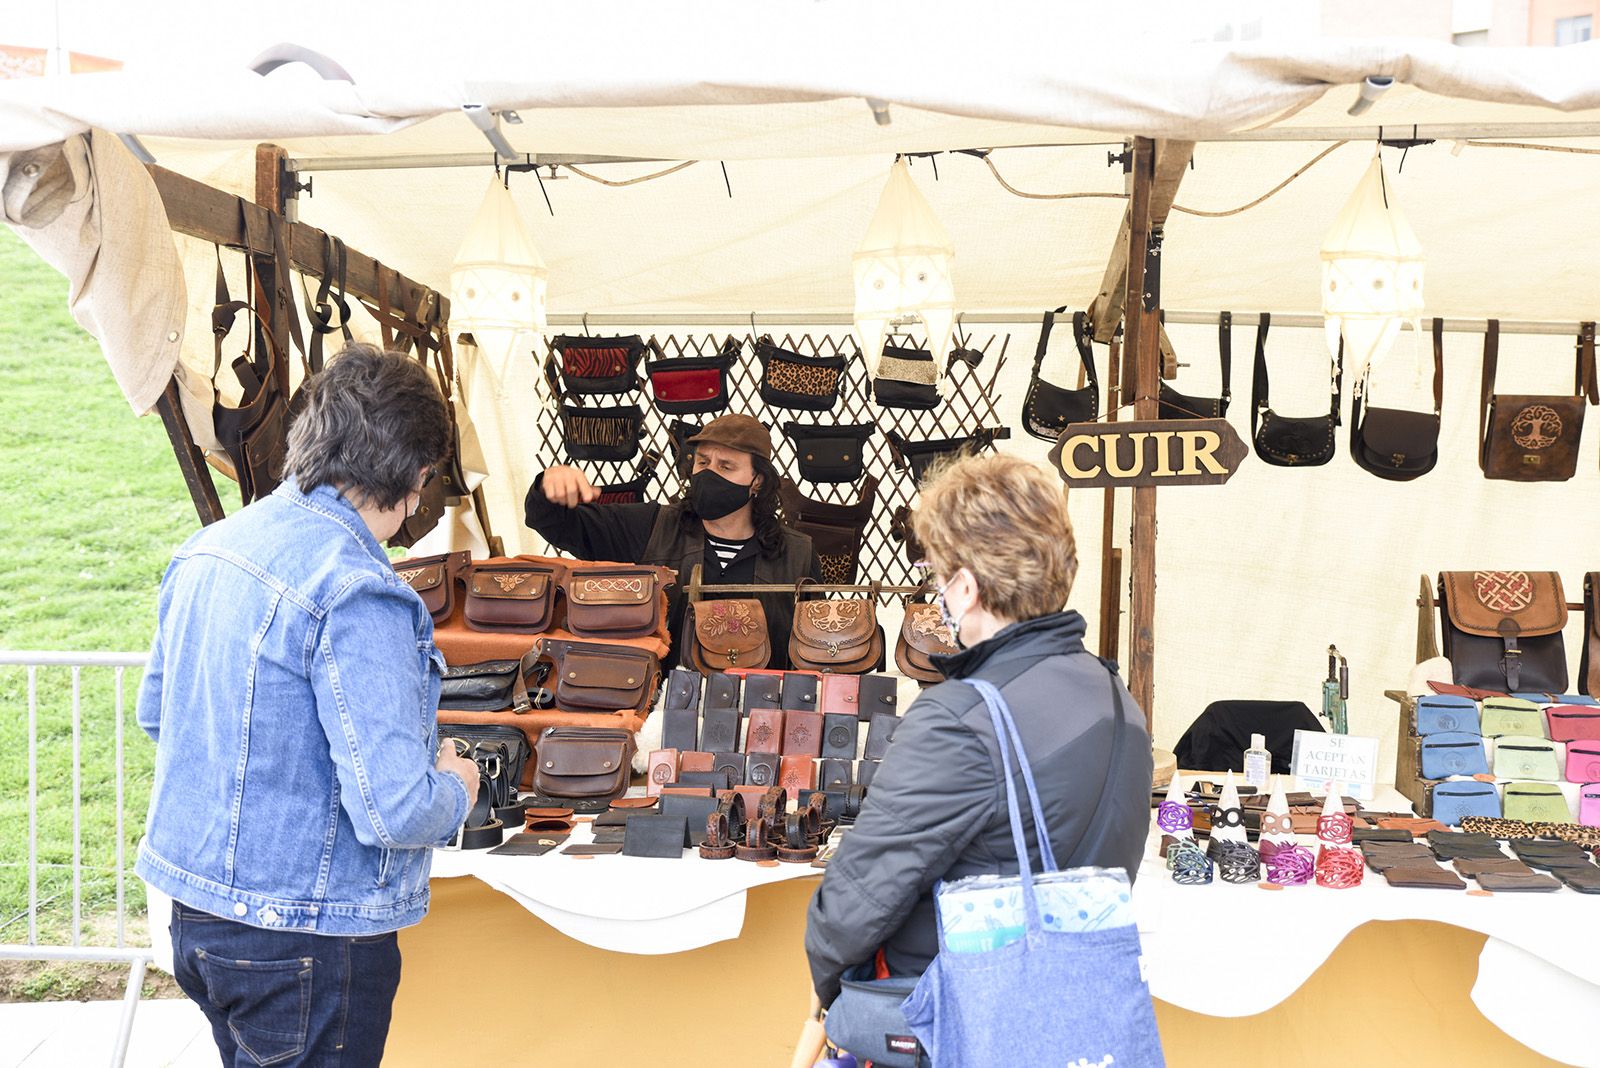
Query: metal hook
551	208
753	333
585	324
725	178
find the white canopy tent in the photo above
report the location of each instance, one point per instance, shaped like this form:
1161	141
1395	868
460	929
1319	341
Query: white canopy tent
1256	578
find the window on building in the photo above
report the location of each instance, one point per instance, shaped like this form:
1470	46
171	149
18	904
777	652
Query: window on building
1471	39
1574	30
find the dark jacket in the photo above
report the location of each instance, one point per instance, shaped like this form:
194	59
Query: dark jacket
652	533
937	808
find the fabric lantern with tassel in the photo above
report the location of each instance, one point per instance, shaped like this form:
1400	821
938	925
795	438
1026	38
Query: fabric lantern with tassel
903	269
498	280
1371	273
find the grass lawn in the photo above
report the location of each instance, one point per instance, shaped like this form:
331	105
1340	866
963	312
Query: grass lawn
91	507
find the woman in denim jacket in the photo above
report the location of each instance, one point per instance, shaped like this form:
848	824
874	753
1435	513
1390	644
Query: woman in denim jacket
291	693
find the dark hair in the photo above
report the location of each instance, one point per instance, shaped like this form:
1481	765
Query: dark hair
764	511
371	420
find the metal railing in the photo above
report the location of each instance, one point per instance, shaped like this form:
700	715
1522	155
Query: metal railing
136	957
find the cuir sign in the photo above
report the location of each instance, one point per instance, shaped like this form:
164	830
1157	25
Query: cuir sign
1158	452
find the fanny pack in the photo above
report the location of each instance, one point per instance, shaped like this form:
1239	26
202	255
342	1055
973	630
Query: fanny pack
693	385
1571	723
434	580
1455	801
512	596
920	457
1502	629
1175	405
1518	757
728	634
906	378
1441	713
839	636
602	433
494	685
830	453
790	380
1453	753
583	762
923	636
1583	762
836	530
633	490
591	365
1528	438
615	602
1509	715
1291	442
1393	443
593	677
1536	802
1047	409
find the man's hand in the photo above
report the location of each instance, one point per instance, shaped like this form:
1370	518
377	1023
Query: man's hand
568	487
462	768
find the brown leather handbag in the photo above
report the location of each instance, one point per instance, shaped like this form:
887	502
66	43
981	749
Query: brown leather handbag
584	763
1589	664
1502	629
840	636
434	578
923	636
728	634
596	677
615	602
1528	438
515	595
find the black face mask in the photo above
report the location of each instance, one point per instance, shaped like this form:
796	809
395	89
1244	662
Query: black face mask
712	496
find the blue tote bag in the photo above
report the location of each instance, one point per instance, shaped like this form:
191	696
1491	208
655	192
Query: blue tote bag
1052	997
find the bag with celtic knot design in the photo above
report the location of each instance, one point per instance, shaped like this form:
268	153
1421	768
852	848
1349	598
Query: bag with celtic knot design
1502	629
616	602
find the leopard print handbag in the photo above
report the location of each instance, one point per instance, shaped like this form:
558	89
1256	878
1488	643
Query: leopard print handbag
804	383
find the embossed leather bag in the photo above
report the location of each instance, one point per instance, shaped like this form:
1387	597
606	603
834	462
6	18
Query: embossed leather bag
1291	441
512	595
729	633
596	677
836	530
585	763
1502	629
791	380
598	364
434	578
615	602
1395	443
832	635
1528	438
922	637
1047	409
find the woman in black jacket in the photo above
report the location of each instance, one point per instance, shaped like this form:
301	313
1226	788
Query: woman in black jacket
999	543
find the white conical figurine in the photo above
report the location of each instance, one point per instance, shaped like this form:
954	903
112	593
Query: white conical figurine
1173	815
1227	824
1334	826
1277	825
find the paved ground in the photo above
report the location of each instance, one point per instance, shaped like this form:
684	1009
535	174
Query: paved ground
166	1034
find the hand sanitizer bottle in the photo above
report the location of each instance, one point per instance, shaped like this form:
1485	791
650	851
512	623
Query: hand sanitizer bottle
1257	762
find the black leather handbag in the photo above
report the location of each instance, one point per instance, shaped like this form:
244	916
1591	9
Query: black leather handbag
1394	443
1175	405
907	378
920	457
693	385
827	453
836	530
610	433
1048	409
1291	441
592	365
805	383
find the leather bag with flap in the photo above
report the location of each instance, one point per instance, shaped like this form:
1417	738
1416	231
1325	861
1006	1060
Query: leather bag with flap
693	385
729	633
922	637
792	380
1299	441
615	602
594	365
586	763
1527	438
1502	629
829	452
609	433
1589	661
434	578
836	530
1175	405
1048	409
599	678
906	378
1394	443
512	595
834	635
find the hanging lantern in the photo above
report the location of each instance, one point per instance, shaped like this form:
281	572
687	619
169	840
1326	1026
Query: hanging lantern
903	269
1371	273
497	282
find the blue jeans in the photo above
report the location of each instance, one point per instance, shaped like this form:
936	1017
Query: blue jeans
287	997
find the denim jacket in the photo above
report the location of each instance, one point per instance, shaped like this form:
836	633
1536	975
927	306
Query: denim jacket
291	692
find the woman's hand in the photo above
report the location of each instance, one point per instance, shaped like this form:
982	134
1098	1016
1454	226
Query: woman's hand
568	487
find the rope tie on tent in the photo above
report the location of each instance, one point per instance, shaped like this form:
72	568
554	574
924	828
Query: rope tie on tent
1536	148
581	173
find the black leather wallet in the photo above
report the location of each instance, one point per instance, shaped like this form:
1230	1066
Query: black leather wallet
760	691
694	811
528	844
718	779
683	690
1583	880
761	769
656	835
879	732
606	835
719	730
722	691
835	774
591	849
733	764
865	770
1379	834
680	728
799	692
839	733
1504	882
878	694
615	817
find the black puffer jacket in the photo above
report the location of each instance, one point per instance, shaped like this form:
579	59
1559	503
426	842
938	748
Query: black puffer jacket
937	808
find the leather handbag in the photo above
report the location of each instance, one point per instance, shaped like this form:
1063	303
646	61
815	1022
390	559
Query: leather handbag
906	378
593	365
430	509
804	383
923	636
1589	660
1517	757
1572	723
434	579
1454	801
1443	712
1589	805
255	434
693	385
830	453
1510	715
921	457
1048	409
493	685
1453	753
728	633
1502	629
1291	441
597	678
837	531
1536	802
615	602
1175	405
512	595
1533	438
1394	443
834	635
634	490
1583	762
607	434
588	763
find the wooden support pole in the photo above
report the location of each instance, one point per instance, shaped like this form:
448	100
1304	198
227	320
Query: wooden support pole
1142	350
1110	555
191	461
272	292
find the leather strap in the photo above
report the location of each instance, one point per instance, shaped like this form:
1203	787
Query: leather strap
1586	385
1259	400
320	310
1225	354
1081	337
1491	360
1438	365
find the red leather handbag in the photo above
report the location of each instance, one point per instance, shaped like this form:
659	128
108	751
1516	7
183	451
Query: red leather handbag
693	385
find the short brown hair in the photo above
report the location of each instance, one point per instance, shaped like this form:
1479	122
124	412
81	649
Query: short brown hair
1005	520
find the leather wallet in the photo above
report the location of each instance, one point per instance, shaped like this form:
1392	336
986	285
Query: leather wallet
1583	880
797	772
529	844
654	834
865	770
1513	883
1425	877
663	771
800	691
613	818
722	691
733	764
763	691
839	733
877	693
764	732
683	689
879	733
719	730
840	694
696	761
592	849
609	835
680	728
1472	867
761	769
802	733
1379	834
694	811
699	780
836	774
1382	860
1466	850
1556	862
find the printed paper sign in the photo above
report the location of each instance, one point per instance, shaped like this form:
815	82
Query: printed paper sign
1347	762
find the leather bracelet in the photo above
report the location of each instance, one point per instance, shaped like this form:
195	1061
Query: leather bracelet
797	856
731	806
717	845
853	800
795	835
773	804
1190	867
755	847
816	815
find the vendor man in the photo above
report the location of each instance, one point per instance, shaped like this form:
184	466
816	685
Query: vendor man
728	522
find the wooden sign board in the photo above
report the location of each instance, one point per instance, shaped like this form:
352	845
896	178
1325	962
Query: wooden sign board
1154	452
